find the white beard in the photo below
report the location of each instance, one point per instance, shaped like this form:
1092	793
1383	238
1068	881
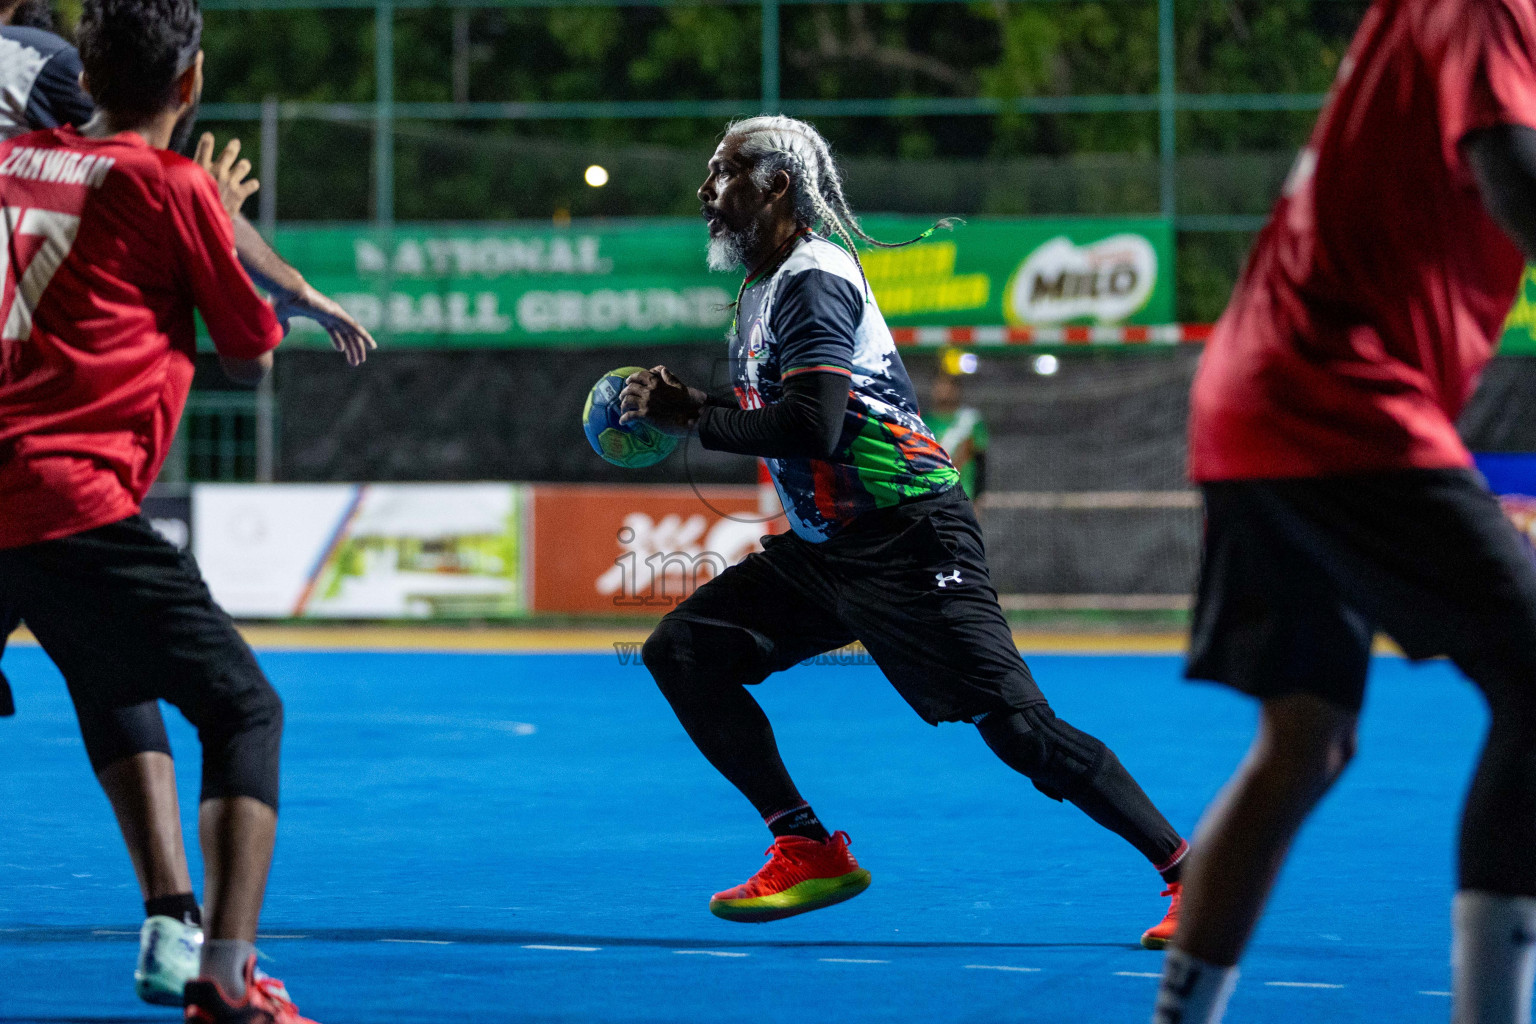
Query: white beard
728	251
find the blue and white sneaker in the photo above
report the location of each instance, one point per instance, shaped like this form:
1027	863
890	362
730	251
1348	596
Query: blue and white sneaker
170	955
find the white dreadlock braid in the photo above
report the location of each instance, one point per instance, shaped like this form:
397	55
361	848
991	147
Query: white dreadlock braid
776	143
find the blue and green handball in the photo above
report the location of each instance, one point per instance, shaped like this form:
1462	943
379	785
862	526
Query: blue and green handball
633	445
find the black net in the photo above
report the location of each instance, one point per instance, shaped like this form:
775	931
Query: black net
1087	503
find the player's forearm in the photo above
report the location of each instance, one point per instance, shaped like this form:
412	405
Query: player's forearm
805	424
721	398
1504	161
269	270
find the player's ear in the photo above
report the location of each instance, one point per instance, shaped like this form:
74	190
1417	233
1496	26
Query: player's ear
85	84
190	85
779	186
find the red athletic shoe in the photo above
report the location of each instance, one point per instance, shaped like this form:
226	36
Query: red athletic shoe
801	875
1160	934
265	1001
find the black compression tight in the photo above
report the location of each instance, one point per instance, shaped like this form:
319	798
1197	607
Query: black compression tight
1066	763
701	670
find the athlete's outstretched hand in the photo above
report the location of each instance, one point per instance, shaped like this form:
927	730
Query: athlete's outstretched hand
659	398
347	335
228	172
293	296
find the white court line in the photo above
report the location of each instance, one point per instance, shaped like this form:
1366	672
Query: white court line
106	931
705	952
1001	967
844	960
416	942
1301	984
1137	974
265	937
1432	992
567	949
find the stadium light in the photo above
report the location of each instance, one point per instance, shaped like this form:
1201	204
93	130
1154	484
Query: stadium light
596	176
968	362
1046	364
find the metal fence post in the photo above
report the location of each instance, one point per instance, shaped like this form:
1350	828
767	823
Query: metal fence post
770	87
266	399
460	55
1167	108
266	196
384	113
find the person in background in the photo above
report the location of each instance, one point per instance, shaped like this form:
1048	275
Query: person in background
959	428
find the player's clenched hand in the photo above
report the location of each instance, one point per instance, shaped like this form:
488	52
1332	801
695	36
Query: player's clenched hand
347	335
228	172
659	398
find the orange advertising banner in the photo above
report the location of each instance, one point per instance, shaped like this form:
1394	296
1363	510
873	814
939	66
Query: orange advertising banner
614	550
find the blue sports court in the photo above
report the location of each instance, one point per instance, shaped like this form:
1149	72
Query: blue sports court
531	837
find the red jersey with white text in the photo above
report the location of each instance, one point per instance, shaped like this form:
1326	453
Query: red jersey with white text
106	246
1377	291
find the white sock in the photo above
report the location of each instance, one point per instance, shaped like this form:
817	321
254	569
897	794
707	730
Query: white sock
224	961
1192	991
1493	957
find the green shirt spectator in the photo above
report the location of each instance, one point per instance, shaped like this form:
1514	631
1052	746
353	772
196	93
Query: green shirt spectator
961	431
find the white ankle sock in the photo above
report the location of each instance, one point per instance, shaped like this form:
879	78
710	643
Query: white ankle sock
1493	957
224	961
1192	991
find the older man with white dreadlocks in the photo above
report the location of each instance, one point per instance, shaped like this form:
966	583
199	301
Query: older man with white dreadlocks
885	548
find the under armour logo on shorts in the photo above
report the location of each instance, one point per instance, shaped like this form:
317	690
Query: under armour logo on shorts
944	580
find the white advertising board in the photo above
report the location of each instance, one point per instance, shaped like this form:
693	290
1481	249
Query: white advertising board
368	551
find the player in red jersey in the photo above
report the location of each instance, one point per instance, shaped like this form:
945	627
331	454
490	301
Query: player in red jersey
1339	498
40	88
107	242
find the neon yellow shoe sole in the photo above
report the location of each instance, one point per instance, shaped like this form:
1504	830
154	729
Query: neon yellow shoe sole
812	894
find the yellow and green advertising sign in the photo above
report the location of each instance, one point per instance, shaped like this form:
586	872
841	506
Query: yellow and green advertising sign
611	282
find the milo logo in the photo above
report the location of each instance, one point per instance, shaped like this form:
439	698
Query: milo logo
1106	281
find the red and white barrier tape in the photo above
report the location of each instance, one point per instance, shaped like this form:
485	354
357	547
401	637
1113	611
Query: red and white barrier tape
1157	334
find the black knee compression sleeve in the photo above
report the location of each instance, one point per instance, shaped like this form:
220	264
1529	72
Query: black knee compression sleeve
1066	763
1052	753
694	659
239	719
112	734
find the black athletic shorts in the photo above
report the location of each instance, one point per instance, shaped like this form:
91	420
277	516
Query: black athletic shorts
908	582
1298	575
127	619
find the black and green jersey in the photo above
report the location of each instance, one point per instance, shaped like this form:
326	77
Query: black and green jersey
815	313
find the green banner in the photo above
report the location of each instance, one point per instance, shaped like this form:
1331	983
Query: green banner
1520	329
601	282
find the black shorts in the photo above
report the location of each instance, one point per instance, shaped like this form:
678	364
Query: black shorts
909	582
1298	575
127	619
